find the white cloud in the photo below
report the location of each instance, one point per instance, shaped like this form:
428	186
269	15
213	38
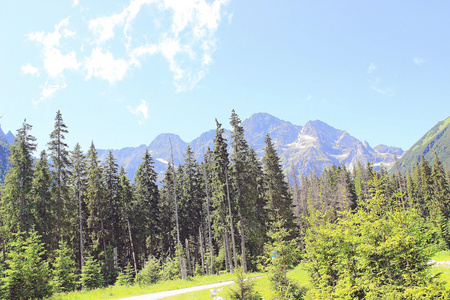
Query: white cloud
103	65
54	60
371	68
308	98
419	61
29	69
140	110
183	32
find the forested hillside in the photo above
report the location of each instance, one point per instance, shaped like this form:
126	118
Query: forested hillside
79	223
436	140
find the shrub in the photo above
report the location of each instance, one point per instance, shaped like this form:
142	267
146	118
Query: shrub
150	273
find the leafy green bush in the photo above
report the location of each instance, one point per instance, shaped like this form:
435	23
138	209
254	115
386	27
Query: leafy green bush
378	251
171	269
150	273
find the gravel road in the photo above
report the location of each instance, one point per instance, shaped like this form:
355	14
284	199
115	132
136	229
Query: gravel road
164	294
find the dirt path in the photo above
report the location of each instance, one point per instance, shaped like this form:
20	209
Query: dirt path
164	294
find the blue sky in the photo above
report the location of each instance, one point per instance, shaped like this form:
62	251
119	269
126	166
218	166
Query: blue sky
122	72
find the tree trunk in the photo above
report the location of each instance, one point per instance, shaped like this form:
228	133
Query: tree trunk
209	217
188	256
225	249
244	258
81	227
229	252
201	249
231	220
131	239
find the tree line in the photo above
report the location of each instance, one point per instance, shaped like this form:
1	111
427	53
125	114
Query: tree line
69	221
204	217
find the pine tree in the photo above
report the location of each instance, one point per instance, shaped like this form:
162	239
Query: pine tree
279	201
59	156
95	203
43	205
167	213
16	208
64	271
78	182
91	277
190	200
222	215
111	180
126	198
146	213
28	274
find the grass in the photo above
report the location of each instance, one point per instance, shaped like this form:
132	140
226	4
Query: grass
200	295
441	256
299	275
262	285
117	292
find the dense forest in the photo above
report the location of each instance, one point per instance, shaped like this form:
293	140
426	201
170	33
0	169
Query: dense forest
69	221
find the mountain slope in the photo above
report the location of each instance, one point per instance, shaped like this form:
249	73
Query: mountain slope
436	140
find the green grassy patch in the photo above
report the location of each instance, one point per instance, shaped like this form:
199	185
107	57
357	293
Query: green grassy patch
116	292
441	256
199	295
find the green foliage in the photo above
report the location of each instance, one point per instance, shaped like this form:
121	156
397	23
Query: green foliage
126	276
243	287
109	271
379	251
283	253
91	277
170	269
63	271
27	275
150	273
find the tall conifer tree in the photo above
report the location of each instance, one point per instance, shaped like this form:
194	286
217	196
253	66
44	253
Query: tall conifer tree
146	208
279	200
16	197
59	156
78	182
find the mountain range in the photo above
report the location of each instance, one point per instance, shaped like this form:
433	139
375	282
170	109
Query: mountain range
307	148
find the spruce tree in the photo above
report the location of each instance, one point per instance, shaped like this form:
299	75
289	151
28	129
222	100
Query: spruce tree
111	181
223	214
190	199
28	274
64	274
279	201
59	156
16	208
91	277
96	205
126	198
146	212
43	203
78	182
